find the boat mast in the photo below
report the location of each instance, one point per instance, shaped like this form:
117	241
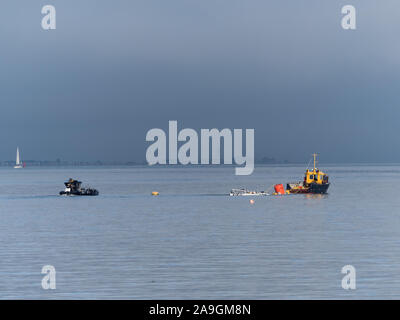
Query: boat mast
315	156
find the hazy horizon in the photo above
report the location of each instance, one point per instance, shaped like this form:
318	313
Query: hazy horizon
91	89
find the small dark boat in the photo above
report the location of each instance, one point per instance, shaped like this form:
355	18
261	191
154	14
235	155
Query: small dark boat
73	188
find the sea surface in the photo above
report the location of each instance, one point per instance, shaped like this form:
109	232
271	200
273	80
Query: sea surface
193	241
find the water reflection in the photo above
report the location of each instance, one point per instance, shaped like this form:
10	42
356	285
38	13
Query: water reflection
316	196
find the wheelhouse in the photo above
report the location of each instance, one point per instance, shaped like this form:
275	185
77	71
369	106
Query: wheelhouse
316	176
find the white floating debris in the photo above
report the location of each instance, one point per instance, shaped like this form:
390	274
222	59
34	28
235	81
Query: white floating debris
245	192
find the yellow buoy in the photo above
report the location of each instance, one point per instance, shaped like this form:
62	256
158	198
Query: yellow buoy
155	193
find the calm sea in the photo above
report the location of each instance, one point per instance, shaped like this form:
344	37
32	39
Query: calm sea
194	241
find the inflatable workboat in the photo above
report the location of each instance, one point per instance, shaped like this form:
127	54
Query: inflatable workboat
73	188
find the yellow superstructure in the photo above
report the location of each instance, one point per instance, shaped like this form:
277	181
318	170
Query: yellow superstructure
315	175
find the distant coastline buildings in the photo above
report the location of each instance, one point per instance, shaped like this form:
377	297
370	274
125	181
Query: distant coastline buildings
78	163
64	163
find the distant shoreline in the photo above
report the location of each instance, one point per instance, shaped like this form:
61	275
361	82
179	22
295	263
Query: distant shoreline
66	164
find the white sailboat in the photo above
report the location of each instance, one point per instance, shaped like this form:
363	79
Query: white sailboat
18	163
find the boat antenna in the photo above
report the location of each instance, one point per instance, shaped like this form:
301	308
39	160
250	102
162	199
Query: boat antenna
308	165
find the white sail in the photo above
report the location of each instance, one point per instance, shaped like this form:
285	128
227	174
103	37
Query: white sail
18	164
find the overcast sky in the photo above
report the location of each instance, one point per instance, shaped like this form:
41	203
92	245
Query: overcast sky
112	70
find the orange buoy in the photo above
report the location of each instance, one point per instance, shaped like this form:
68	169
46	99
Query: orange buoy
252	201
279	189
